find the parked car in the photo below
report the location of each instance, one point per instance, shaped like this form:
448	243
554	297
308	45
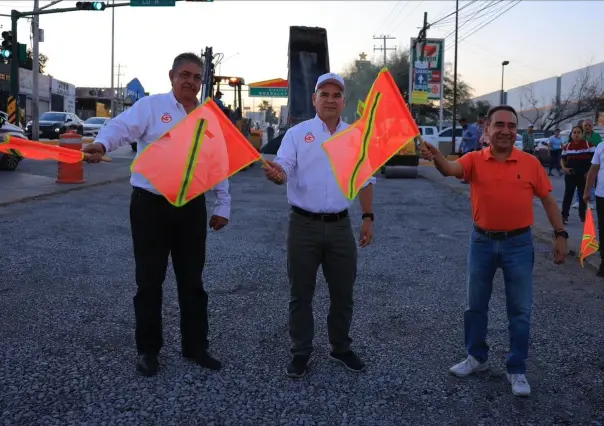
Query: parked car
53	124
429	134
446	135
93	125
9	162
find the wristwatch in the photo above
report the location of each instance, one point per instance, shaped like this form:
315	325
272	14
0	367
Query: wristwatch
368	216
561	233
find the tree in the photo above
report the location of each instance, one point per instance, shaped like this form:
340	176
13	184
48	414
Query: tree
270	115
29	62
360	75
585	97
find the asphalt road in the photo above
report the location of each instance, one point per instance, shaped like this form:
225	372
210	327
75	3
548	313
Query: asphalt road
66	335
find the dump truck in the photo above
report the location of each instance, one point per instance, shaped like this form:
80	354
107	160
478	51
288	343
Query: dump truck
308	58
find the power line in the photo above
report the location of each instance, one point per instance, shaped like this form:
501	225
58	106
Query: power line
452	13
476	16
410	13
384	49
487	23
390	15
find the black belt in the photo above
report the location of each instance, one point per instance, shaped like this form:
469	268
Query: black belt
323	217
502	235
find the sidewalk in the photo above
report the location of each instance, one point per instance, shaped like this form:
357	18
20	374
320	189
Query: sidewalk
542	228
35	179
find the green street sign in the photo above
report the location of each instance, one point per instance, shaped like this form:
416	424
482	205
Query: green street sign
147	3
268	92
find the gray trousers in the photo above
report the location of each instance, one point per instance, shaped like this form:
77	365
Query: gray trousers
332	245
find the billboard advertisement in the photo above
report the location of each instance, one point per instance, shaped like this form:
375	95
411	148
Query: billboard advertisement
427	70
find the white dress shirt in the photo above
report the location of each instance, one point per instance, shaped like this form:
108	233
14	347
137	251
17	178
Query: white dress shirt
311	184
145	122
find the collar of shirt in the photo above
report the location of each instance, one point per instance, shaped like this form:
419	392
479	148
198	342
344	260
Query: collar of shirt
341	125
177	104
488	155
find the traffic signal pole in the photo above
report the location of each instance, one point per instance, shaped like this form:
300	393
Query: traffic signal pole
14	71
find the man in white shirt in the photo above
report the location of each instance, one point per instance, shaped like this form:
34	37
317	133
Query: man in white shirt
596	176
159	229
320	232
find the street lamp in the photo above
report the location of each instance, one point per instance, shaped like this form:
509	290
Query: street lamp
503	64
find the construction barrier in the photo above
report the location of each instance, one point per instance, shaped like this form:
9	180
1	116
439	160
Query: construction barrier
71	172
12	110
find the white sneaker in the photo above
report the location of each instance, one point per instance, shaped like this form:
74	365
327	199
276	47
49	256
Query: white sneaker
576	205
469	366
520	386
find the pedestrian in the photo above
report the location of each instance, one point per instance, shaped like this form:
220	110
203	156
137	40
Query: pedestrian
159	229
576	161
554	146
320	232
596	175
504	181
528	140
470	141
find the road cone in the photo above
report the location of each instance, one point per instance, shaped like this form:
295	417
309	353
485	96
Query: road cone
71	172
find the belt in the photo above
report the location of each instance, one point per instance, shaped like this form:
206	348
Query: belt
502	235
323	217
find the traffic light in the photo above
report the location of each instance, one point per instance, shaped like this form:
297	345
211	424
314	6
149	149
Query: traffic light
7	44
91	5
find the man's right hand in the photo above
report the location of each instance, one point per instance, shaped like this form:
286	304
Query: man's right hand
274	173
95	152
429	151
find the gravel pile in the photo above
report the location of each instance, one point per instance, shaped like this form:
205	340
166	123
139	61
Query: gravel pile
66	323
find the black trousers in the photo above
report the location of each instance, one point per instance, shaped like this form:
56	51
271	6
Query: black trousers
600	213
555	160
572	183
158	230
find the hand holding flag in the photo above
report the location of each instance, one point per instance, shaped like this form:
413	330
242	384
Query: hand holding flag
274	172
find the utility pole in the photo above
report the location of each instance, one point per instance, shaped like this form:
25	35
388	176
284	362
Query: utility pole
119	91
421	39
14	67
455	78
35	111
112	59
384	48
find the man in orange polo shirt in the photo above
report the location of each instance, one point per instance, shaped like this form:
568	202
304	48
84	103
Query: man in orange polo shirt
503	182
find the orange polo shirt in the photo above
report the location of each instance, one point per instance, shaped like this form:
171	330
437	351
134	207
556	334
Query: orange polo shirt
502	192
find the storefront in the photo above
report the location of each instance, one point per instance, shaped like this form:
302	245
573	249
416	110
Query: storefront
26	90
62	96
4	86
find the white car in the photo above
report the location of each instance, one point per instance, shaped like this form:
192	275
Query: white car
93	125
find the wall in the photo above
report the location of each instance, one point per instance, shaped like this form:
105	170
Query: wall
571	82
26	84
67	91
541	93
493	98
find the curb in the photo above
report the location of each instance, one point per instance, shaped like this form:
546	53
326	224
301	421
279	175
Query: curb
63	191
538	232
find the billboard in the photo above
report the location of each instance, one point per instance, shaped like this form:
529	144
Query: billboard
427	71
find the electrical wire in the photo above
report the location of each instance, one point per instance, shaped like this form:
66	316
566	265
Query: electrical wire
477	16
451	14
407	17
487	23
390	15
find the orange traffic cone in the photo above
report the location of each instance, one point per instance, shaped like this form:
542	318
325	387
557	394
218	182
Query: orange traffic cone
71	172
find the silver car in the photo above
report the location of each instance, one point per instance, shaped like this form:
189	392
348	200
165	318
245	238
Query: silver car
7	161
93	125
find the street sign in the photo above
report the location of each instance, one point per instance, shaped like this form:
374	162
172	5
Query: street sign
141	3
269	92
428	69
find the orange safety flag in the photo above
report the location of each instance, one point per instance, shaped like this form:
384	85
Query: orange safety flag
196	154
589	243
39	151
385	128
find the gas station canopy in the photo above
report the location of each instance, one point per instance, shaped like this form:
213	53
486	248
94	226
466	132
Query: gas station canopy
275	88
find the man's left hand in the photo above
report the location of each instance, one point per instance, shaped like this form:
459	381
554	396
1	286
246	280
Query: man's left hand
366	233
560	250
218	222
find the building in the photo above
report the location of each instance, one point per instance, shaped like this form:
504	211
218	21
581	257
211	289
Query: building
53	95
556	98
96	101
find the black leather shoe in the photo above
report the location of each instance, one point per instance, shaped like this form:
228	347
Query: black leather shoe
203	359
298	367
147	365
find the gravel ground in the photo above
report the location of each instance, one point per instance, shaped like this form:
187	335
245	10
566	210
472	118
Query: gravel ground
66	323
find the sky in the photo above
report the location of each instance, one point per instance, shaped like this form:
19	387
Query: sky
539	38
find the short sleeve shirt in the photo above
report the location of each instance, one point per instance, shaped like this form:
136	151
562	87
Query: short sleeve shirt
598	160
502	193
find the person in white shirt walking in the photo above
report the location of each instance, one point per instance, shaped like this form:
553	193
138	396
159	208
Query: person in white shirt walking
595	175
160	229
320	231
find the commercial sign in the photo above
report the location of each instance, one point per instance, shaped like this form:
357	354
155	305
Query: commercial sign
275	88
427	70
26	83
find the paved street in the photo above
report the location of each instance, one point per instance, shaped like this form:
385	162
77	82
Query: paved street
67	348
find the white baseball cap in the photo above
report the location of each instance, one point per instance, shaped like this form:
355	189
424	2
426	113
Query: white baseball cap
330	78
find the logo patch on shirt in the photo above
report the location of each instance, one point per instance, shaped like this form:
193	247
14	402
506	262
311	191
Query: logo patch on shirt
166	117
309	138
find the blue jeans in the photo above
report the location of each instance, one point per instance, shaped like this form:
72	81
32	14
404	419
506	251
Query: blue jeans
516	257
